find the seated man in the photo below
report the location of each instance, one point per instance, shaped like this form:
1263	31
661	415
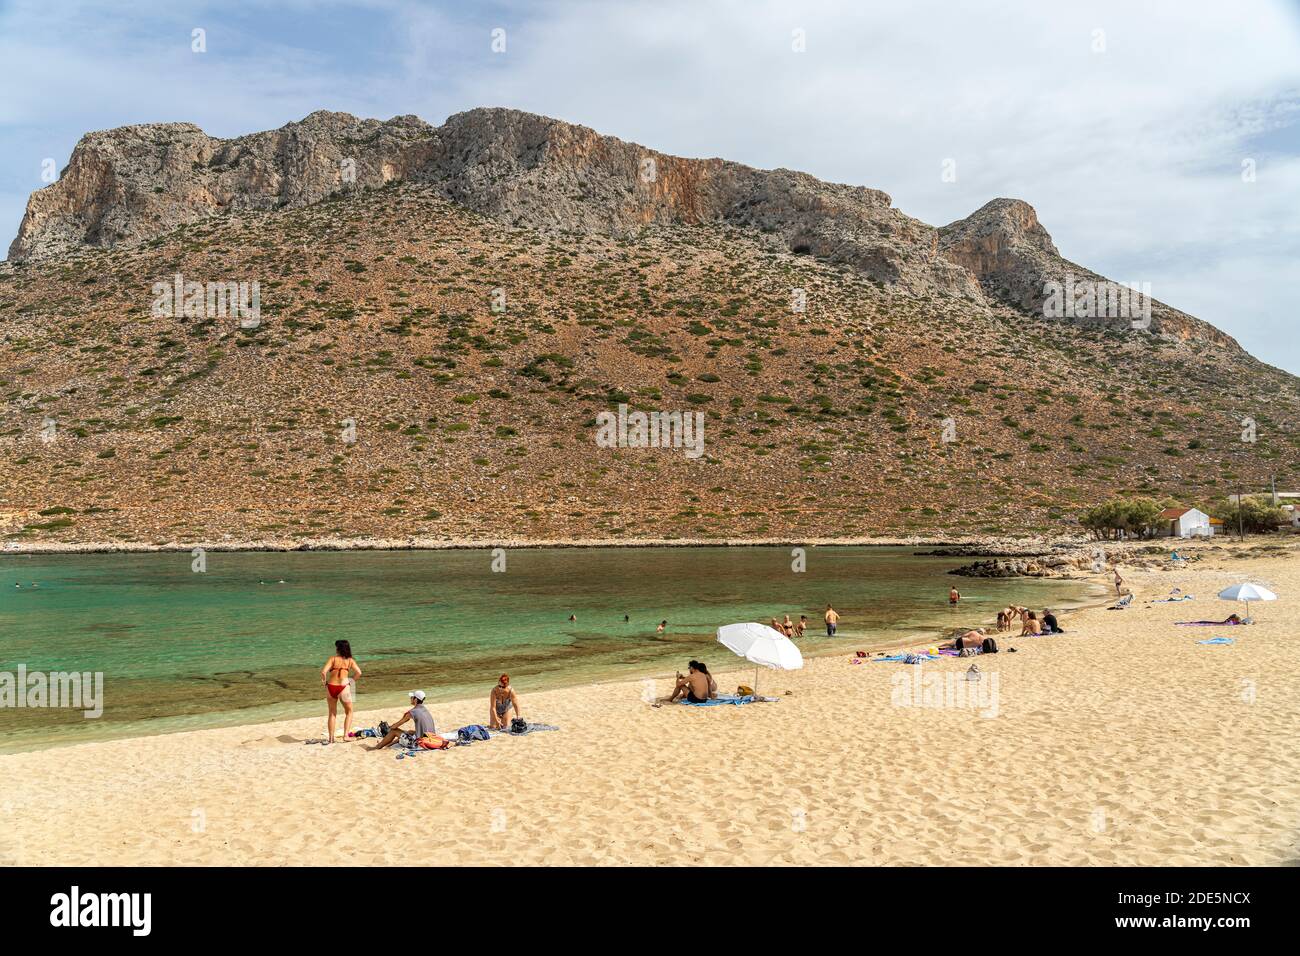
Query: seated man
1049	623
694	686
502	699
421	725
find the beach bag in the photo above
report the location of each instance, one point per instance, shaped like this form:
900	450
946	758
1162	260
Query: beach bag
519	726
744	690
383	728
473	732
970	652
989	646
434	743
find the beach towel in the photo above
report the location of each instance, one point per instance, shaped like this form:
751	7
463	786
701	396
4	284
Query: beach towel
1172	600
1218	640
1213	623
418	749
532	729
722	699
906	658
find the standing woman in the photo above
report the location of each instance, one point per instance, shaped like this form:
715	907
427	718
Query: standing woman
334	675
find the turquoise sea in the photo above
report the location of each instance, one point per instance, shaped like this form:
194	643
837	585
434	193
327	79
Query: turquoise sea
244	640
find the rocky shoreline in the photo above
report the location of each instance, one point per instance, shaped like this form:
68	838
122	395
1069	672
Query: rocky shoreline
956	548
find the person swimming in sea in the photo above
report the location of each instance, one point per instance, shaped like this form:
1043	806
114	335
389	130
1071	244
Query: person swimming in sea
335	676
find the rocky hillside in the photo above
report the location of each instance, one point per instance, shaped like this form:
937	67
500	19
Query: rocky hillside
445	311
127	185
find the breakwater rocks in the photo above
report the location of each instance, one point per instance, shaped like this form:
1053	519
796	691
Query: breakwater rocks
1072	564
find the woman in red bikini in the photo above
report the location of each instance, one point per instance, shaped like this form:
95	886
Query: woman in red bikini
334	675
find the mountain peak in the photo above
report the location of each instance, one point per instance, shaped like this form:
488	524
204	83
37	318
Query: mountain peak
136	183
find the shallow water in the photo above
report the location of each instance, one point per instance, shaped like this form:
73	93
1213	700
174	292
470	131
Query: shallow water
244	641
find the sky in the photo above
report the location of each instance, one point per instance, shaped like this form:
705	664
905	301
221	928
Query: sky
1158	141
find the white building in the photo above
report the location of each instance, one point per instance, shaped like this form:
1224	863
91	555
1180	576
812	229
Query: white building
1185	523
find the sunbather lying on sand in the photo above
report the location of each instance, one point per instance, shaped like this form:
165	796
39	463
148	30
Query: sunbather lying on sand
973	638
1230	619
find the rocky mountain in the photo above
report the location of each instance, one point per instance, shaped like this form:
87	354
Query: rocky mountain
132	184
445	312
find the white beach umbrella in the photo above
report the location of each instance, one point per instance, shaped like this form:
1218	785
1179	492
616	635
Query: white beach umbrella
761	646
1247	593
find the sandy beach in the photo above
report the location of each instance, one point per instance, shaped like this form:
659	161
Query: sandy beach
1123	742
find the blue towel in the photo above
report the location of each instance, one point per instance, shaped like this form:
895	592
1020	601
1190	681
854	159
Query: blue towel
717	701
1217	640
907	658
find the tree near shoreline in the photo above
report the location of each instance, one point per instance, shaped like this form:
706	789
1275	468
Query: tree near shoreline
1122	518
1258	514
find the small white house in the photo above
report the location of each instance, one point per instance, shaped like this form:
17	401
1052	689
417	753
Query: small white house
1185	523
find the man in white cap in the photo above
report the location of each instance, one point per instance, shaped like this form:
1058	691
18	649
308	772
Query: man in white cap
421	724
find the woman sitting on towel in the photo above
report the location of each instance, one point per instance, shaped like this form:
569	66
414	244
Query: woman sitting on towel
713	685
695	686
1033	627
